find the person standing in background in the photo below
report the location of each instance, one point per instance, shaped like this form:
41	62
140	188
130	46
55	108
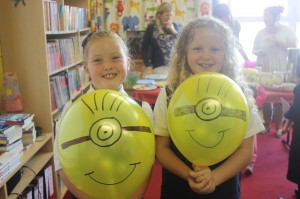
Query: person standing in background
260	96
159	39
293	116
223	12
270	47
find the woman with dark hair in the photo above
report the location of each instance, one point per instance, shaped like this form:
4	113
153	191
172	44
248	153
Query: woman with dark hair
270	47
223	12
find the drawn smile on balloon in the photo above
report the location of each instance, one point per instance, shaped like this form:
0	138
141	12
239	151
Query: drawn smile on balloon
204	144
113	183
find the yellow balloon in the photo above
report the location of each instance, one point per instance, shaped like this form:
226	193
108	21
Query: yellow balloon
106	144
207	118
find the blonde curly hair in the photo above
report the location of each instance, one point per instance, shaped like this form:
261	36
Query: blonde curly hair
180	70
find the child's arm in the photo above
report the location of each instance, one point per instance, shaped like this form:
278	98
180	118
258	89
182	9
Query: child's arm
232	166
235	163
71	187
168	159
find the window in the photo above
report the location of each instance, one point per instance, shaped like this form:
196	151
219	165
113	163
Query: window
250	15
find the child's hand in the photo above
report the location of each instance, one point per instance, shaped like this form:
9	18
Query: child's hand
201	180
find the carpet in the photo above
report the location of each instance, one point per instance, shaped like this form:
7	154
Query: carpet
269	178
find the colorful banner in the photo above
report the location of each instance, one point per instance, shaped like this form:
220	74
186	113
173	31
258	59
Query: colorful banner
122	15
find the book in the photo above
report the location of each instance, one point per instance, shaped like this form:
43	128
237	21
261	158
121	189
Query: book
17	149
27	193
14	134
8	119
9	147
40	182
29	134
6	157
6	130
35	191
48	179
8	162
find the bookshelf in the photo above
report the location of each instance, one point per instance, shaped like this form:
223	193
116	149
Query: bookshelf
24	36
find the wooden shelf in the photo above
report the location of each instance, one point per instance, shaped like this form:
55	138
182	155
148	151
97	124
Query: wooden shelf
28	154
73	97
35	164
66	32
35	158
24	51
65	68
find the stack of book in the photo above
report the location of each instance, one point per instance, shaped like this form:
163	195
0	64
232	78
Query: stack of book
16	130
8	162
29	134
11	138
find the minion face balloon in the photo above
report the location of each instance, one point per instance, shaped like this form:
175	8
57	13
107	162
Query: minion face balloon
106	144
207	118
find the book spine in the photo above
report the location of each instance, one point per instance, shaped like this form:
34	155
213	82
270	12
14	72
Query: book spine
11	123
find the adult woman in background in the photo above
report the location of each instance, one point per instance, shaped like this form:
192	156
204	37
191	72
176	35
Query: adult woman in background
270	47
223	12
159	39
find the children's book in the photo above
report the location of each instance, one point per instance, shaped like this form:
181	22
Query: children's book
12	136
8	162
29	134
9	147
6	130
8	119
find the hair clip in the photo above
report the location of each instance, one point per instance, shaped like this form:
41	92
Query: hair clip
86	39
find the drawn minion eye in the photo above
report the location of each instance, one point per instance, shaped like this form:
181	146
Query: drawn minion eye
208	109
105	132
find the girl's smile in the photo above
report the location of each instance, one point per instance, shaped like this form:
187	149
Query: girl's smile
205	52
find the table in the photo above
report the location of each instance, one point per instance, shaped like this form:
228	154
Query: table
273	96
149	96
